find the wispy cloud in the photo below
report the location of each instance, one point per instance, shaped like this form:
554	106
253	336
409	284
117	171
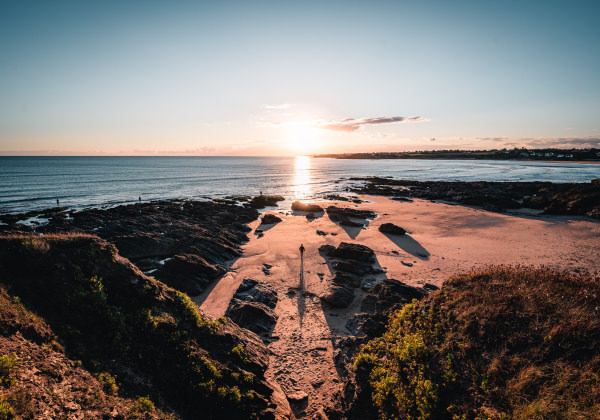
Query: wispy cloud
277	106
350	125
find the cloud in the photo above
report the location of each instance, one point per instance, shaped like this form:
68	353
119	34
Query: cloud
350	125
277	106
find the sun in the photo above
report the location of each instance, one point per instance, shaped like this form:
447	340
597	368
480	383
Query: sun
302	138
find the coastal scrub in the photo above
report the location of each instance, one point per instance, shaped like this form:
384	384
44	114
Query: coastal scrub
497	343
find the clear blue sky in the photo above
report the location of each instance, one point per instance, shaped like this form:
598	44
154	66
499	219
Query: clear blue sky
176	77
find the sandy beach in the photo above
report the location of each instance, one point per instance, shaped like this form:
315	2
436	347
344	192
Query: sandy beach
443	240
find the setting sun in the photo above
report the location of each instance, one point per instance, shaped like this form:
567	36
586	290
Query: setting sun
302	138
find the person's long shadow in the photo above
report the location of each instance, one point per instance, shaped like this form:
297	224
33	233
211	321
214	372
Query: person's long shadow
301	290
409	245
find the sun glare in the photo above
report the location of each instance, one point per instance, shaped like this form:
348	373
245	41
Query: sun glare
302	138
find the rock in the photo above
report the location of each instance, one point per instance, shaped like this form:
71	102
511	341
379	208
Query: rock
297	397
338	214
347	222
327	250
407	264
430	287
346	279
269	219
320	232
354	252
338	296
254	316
311	208
262	201
189	272
253	291
353	267
392	229
246	285
151	232
388	294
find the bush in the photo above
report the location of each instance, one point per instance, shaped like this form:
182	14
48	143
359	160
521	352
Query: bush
8	364
109	383
6	410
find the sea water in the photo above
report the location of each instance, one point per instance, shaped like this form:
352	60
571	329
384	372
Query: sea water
35	183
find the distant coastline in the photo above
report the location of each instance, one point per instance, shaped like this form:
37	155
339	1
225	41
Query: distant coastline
548	155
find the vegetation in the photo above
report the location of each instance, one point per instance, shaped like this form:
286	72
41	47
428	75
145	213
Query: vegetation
8	364
7	412
118	322
499	343
495	154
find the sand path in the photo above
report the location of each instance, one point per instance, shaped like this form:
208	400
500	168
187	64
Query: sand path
444	239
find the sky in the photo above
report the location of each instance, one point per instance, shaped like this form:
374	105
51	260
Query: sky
284	78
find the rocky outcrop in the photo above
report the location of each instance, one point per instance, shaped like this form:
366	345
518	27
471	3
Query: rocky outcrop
254	316
355	252
184	235
253	291
261	201
189	273
338	296
575	199
309	208
252	307
340	213
356	261
109	315
391	229
377	305
269	219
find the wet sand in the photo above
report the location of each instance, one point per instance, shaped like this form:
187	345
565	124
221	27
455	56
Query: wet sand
444	239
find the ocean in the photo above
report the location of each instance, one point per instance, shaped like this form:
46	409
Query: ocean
35	183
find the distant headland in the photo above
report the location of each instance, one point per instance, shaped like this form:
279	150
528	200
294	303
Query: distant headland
591	155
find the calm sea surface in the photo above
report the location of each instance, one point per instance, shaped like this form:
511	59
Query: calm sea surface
34	183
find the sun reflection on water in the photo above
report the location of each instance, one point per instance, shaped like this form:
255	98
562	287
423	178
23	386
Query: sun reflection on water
301	180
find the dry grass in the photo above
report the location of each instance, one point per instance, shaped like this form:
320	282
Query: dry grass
502	342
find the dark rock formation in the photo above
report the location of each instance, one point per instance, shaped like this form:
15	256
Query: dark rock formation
390	293
338	296
378	304
254	316
327	250
149	233
574	199
347	279
252	306
392	229
340	214
269	219
354	252
189	273
253	291
310	208
109	315
261	201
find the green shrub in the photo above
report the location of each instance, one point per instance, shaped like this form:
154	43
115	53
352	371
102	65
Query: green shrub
8	364
142	405
109	383
7	412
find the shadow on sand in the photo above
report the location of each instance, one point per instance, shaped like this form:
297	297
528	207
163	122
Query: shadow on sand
310	216
301	290
353	231
409	245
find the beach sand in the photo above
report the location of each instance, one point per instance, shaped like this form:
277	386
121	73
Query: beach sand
444	240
